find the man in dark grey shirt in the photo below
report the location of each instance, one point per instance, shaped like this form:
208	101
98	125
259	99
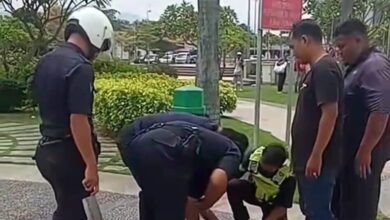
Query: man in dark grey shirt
366	126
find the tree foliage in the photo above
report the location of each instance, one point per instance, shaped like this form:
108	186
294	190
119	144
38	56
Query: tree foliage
180	22
13	43
37	15
327	14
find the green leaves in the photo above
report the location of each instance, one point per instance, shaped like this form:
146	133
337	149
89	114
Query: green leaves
180	22
327	13
121	99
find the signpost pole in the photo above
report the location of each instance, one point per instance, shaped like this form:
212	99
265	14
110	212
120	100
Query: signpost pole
290	72
258	74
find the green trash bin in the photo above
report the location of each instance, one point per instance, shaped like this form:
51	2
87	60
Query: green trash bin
189	99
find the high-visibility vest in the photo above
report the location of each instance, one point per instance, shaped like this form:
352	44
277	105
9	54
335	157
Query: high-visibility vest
266	188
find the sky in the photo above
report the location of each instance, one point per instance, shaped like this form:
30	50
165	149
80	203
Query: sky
138	8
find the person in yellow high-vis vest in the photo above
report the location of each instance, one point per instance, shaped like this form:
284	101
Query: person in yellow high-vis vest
267	183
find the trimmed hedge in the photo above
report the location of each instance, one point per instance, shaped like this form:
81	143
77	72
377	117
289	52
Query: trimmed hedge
116	66
11	95
121	99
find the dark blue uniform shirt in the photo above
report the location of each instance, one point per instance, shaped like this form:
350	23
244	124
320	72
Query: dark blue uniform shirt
142	123
63	85
367	90
216	151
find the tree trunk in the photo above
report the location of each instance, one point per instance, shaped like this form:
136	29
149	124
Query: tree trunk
208	66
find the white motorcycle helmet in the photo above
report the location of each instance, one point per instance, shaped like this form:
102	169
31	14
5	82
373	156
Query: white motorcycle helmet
92	23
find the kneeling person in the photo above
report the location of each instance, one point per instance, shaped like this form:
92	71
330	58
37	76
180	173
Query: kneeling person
268	184
170	158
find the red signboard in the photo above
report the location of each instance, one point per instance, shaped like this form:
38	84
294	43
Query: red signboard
281	14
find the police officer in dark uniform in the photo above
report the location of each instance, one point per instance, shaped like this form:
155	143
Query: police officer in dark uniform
173	156
67	154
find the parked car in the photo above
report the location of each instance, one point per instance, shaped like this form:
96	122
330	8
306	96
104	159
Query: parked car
151	58
167	59
182	58
193	56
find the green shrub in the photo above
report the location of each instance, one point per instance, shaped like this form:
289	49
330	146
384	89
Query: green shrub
11	94
162	69
121	99
116	66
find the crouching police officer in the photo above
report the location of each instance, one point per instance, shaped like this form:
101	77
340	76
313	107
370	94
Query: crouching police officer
172	159
66	155
268	184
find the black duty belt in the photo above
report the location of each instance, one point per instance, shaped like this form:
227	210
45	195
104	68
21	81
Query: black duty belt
189	135
46	141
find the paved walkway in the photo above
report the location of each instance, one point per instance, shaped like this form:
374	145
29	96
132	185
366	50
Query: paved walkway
18	141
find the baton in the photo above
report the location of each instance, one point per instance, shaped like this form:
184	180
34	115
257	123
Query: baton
92	209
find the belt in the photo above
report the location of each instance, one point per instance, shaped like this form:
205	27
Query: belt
187	137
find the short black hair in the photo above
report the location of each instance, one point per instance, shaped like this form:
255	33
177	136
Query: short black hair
307	27
351	27
275	154
240	139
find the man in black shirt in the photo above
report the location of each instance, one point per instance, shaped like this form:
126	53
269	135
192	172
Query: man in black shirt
173	156
66	155
317	125
262	180
366	125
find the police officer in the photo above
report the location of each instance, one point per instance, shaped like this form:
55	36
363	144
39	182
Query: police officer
268	184
172	159
67	154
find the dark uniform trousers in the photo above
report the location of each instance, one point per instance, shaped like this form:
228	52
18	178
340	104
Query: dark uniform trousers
240	190
61	164
356	198
161	161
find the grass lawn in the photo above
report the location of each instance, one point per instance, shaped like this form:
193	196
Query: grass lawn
268	94
243	127
22	118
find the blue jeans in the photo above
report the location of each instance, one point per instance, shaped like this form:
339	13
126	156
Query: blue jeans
316	195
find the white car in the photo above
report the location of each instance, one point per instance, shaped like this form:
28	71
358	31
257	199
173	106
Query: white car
166	59
182	58
151	58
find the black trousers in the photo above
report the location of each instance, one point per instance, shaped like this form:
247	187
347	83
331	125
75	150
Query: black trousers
241	190
281	81
163	172
61	164
357	198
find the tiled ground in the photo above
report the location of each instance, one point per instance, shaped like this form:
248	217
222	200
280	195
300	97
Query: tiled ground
18	142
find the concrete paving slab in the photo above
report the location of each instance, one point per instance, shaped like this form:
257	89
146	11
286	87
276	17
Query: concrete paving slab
34	201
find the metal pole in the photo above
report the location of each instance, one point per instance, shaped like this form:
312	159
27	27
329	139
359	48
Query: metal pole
148	43
249	26
258	75
289	96
388	42
346	9
255	18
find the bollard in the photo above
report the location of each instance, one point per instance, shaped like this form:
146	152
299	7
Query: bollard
189	99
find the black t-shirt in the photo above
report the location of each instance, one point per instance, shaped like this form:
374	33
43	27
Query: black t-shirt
322	84
367	90
285	198
63	85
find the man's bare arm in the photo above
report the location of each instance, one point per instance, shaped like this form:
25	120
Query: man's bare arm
81	132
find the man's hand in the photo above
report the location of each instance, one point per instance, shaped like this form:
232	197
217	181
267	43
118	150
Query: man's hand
363	163
313	166
91	180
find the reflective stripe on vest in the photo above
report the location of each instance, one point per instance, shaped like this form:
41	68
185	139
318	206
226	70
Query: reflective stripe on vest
266	188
